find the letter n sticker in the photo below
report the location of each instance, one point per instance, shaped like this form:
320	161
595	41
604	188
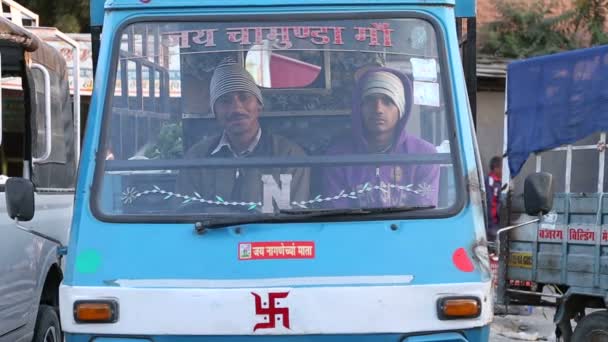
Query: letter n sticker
280	195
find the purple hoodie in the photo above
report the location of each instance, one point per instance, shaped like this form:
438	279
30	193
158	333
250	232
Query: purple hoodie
386	185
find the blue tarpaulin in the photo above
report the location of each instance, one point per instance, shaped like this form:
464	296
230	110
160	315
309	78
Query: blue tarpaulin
555	100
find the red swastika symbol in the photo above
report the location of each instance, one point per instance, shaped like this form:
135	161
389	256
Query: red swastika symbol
272	312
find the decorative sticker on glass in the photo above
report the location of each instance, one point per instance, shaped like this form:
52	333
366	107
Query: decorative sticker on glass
377	34
424	69
418	37
426	93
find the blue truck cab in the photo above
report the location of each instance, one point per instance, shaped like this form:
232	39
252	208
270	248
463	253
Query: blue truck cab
288	170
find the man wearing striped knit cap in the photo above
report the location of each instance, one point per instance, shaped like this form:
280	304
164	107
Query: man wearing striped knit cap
236	101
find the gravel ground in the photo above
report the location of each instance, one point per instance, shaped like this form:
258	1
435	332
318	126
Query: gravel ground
537	326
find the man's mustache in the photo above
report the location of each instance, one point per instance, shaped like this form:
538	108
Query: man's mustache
237	115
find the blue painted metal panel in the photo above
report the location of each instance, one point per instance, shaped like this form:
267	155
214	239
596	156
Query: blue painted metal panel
445	337
342	249
97	11
466	8
141	4
568	248
119	339
479	334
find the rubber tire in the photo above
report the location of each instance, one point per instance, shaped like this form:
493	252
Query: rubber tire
47	318
595	321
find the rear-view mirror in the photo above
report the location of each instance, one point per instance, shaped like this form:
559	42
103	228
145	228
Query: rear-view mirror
538	193
19	194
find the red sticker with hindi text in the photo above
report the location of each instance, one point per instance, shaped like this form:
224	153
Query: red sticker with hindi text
276	250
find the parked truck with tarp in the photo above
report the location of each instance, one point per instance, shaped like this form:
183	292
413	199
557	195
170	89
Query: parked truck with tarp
555	142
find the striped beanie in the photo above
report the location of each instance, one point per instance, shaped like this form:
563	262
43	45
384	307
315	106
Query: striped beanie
386	83
231	77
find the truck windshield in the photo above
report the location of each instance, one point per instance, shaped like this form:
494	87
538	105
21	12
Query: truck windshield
260	118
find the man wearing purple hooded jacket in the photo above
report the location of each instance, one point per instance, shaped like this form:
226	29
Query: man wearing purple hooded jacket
382	101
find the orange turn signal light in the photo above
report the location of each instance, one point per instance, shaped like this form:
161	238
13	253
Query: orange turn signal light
99	311
459	307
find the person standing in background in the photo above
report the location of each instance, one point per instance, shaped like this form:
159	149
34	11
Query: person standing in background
493	184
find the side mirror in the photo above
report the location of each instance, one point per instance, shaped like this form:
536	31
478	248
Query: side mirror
19	193
538	193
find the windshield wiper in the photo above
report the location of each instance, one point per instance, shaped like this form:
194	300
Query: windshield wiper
223	222
354	211
298	214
